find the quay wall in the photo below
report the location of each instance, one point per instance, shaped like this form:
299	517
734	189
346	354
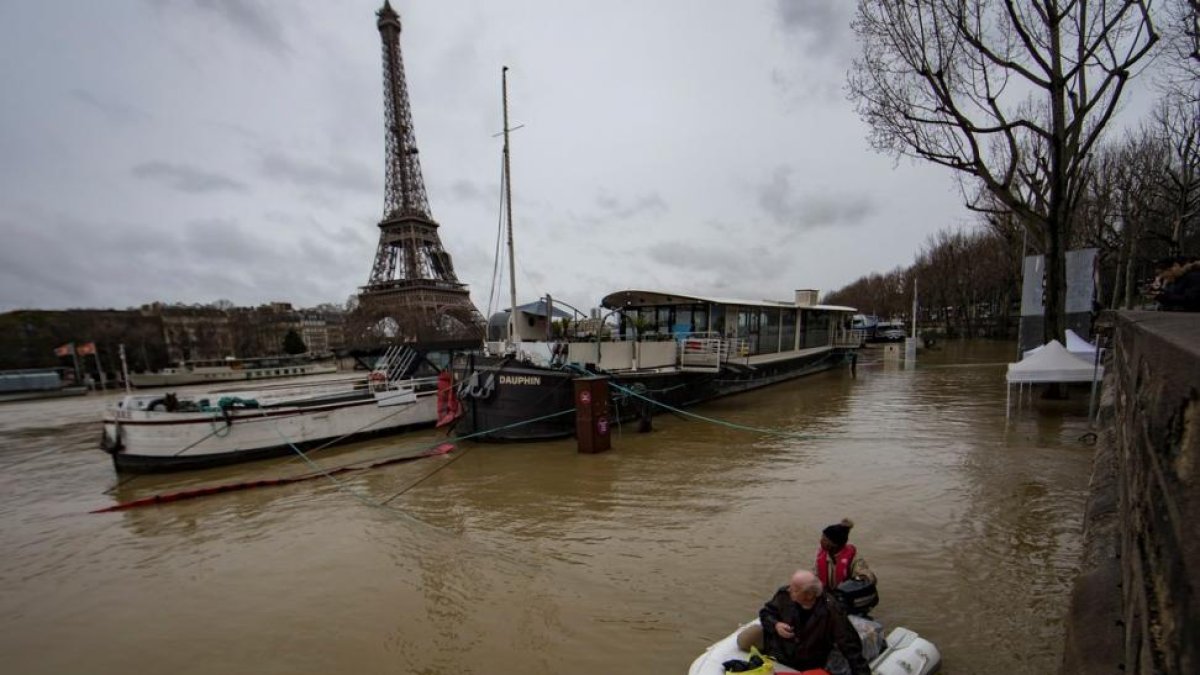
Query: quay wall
1135	607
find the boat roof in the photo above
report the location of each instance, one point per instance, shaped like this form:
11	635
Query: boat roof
648	298
537	308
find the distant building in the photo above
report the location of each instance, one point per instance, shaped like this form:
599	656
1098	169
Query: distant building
158	335
196	333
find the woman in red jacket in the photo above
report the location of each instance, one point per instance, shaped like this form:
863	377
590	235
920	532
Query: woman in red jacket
838	560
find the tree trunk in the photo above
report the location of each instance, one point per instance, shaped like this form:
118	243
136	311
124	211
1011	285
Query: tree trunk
1118	280
1129	277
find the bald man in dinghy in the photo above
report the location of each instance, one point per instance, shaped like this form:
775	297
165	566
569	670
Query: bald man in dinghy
801	625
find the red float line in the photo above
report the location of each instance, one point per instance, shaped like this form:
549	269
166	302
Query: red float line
168	497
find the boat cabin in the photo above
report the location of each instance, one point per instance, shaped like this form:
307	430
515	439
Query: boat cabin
762	327
656	329
533	322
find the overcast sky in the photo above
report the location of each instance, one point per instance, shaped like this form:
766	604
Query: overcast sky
195	150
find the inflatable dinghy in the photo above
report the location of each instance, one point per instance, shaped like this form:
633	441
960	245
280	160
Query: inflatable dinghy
903	653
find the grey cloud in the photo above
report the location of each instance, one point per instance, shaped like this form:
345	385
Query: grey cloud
469	191
340	231
622	210
689	256
224	240
801	91
612	211
777	200
119	264
718	260
186	178
252	19
822	25
115	112
718	269
25	280
338	174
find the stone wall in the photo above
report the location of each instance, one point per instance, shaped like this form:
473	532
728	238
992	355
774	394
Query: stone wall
1136	605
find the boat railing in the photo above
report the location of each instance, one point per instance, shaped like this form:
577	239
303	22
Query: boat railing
700	351
340	388
393	365
735	349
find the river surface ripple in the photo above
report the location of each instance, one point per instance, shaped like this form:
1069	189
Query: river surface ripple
534	559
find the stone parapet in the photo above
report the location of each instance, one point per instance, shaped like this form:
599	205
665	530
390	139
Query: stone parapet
1135	607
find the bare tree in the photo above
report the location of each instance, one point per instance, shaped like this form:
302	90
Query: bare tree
1138	176
1013	94
1178	119
1181	77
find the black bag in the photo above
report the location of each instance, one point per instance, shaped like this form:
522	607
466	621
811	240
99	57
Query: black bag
857	596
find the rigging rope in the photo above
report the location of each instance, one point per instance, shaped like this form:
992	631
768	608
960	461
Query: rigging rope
712	420
493	294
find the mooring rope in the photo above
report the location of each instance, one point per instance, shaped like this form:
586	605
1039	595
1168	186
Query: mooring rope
712	420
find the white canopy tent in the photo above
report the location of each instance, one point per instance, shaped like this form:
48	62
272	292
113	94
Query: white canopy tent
1075	345
1050	363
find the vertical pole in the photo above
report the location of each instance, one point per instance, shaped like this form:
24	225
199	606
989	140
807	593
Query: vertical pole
99	369
512	268
124	366
914	309
75	361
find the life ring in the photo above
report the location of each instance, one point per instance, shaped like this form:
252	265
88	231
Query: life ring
377	376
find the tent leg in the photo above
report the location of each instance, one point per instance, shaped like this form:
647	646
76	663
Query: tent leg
1007	400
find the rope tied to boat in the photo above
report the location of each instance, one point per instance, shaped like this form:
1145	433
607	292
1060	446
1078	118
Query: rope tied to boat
712	420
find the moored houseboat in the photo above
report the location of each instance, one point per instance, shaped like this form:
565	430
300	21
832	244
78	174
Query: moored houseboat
232	369
665	348
27	384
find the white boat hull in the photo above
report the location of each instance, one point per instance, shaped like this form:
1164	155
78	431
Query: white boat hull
906	653
156	440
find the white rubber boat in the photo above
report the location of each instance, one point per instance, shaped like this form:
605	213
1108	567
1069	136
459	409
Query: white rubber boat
904	653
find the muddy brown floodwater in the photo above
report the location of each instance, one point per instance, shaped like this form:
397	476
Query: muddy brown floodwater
528	559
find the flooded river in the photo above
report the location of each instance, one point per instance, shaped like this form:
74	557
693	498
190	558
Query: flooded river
529	559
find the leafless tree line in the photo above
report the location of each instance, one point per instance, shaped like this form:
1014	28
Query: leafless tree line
1139	205
1016	98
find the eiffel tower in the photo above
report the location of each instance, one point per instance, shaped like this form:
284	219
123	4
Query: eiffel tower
413	293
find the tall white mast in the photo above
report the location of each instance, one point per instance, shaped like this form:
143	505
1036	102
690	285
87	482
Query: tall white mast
512	268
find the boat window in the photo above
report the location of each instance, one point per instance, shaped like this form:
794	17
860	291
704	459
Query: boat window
787	331
683	320
747	328
768	335
718	320
699	319
816	329
646	319
663	320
